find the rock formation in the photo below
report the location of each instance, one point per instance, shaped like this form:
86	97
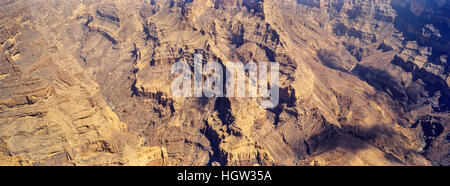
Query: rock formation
87	82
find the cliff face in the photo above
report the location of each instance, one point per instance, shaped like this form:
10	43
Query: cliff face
88	83
401	49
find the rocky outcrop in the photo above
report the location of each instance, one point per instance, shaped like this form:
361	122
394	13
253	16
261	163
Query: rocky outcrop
51	113
89	84
18	90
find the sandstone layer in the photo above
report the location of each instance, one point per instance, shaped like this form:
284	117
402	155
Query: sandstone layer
87	82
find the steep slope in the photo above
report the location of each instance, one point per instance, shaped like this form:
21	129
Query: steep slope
51	112
88	82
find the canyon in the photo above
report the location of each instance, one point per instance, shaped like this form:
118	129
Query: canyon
361	82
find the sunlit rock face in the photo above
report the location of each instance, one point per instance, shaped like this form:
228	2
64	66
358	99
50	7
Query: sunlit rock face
89	83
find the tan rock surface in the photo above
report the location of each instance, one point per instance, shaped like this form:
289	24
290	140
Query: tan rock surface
88	83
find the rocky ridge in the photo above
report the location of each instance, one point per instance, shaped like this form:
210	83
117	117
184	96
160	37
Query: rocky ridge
88	83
